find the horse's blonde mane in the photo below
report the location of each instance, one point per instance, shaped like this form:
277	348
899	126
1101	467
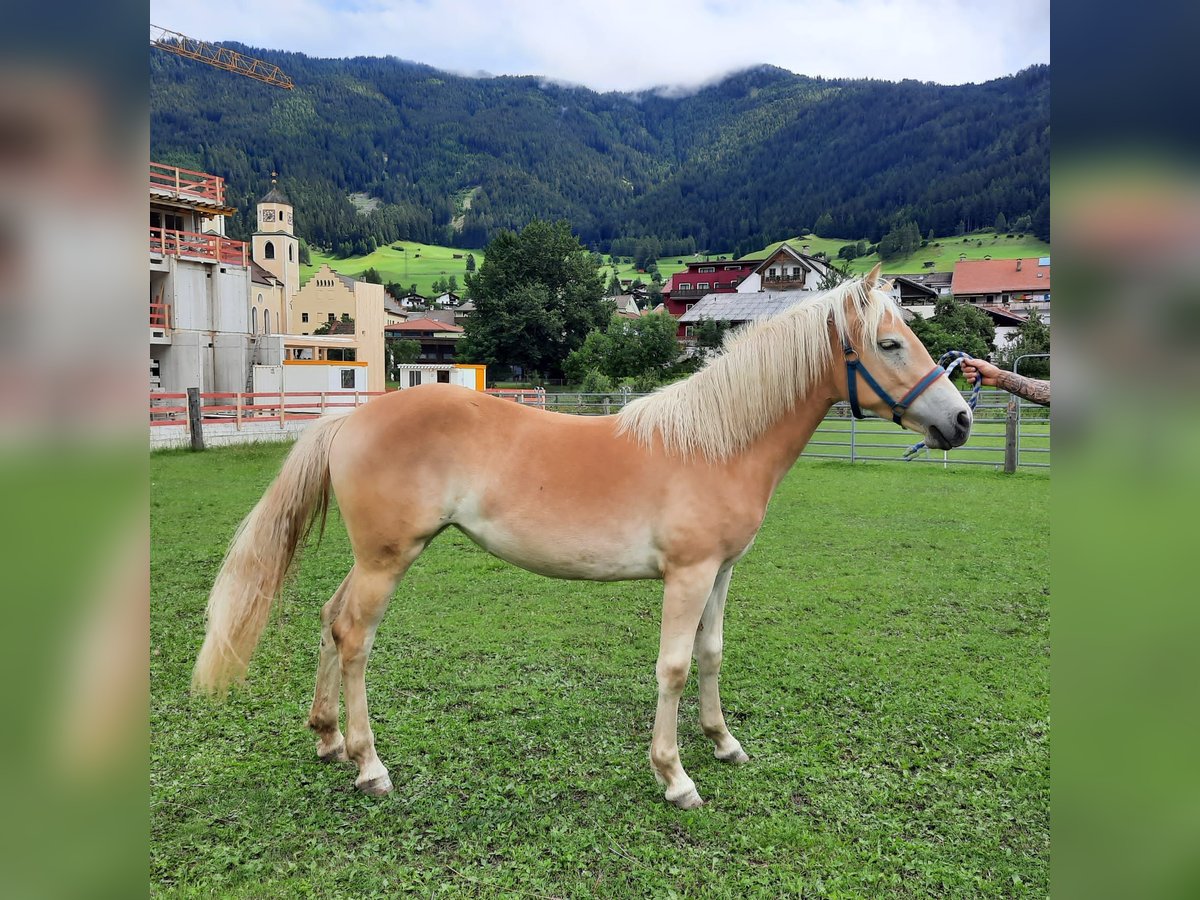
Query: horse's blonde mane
763	369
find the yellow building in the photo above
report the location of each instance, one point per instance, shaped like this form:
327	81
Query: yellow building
329	297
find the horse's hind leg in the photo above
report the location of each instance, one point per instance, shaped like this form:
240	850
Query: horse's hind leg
709	645
323	717
353	630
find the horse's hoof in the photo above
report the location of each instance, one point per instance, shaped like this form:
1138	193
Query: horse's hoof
375	787
338	754
735	757
689	800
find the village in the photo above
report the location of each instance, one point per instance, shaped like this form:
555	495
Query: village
232	320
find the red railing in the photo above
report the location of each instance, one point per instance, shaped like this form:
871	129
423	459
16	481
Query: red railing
160	315
187	182
535	397
242	408
212	247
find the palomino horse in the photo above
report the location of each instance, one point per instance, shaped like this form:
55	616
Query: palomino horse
696	463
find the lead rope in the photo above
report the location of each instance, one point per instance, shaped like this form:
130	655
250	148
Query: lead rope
957	358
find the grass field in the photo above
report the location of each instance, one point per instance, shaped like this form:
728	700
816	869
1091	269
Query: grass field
886	667
419	264
423	264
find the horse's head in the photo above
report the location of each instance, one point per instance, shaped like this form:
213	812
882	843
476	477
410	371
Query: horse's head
889	371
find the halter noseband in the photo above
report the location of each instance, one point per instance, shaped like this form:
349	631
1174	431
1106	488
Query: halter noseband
855	367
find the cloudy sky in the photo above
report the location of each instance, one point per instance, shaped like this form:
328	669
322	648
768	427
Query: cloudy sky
634	44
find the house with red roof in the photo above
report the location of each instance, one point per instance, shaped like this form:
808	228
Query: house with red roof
1017	284
437	339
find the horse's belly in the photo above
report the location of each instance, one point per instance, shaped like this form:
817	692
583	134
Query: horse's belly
568	555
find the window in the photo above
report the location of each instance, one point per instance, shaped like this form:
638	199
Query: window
704	269
260	298
266	321
332	318
269	250
253	320
291	253
303	317
685	287
702	286
689	306
795	271
347	379
772	272
687	330
414	378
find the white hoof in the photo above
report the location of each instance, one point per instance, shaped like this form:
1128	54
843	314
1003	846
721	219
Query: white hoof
375	787
736	756
684	795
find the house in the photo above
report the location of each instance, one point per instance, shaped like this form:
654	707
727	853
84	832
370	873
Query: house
329	297
786	269
938	281
1020	284
464	374
413	300
446	300
626	306
738	308
393	312
437	339
920	297
462	312
684	289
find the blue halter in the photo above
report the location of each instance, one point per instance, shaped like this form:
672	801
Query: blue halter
855	368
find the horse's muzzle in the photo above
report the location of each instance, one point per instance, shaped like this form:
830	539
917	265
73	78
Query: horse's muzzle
950	435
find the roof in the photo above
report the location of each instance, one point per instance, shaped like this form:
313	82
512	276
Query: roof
425	324
929	279
1002	316
746	307
275	195
912	282
817	265
259	275
990	276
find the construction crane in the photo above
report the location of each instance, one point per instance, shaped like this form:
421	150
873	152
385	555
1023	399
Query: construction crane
221	57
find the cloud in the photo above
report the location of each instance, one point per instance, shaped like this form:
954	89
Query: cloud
630	45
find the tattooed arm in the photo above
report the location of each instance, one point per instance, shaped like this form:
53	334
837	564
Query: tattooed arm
1032	389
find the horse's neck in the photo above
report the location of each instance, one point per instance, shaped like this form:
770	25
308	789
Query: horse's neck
777	450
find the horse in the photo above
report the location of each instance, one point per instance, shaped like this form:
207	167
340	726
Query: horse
694	465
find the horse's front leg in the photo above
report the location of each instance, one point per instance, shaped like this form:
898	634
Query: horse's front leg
685	593
709	646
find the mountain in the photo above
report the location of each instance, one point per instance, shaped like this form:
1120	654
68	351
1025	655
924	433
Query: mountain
755	157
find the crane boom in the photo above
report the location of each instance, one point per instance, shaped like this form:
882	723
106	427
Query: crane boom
221	57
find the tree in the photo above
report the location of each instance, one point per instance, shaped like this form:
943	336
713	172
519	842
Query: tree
961	229
305	254
710	336
643	349
403	351
955	326
1001	222
902	240
452	284
344	326
824	225
614	285
537	295
1032	337
834	275
372	276
470	262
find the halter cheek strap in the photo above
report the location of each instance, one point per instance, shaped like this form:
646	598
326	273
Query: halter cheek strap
855	368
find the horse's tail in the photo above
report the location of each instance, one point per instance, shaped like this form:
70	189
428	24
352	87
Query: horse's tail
259	557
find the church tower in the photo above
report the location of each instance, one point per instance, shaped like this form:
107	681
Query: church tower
274	245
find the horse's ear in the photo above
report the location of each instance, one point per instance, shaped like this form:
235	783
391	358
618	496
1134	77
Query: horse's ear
872	277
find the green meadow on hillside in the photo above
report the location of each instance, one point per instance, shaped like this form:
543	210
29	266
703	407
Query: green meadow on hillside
415	263
423	264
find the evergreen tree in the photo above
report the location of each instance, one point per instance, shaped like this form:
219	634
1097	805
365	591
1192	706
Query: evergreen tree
824	225
1001	223
470	262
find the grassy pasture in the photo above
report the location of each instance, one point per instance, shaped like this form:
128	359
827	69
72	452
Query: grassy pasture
886	667
419	264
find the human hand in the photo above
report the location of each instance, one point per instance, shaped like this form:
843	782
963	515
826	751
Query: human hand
990	373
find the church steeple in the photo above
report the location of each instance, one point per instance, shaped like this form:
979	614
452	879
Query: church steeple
274	244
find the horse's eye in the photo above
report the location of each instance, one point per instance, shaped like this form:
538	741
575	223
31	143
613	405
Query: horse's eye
889	345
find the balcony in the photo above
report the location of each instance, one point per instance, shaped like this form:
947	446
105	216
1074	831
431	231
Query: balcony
185	184
784	282
190	245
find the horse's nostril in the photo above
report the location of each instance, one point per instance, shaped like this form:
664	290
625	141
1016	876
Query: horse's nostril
964	420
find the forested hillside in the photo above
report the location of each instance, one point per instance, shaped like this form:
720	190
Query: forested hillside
759	156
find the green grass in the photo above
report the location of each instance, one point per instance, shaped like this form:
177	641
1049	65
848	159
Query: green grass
439	262
886	667
419	264
943	252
